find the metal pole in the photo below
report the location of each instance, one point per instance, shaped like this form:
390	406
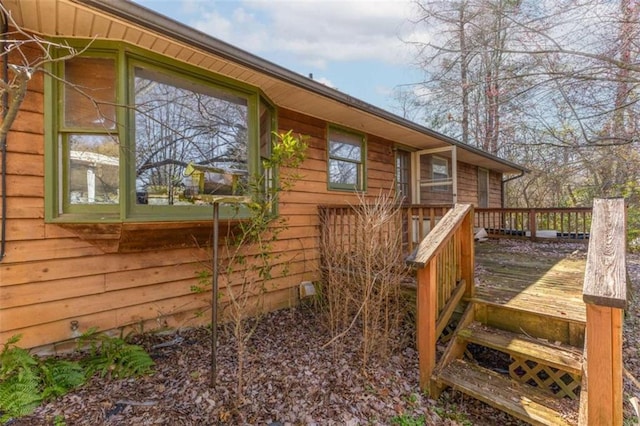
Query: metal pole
214	295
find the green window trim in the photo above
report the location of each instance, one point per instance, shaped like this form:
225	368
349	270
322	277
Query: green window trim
346	159
59	201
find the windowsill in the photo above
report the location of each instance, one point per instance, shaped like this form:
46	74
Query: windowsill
345	189
127	237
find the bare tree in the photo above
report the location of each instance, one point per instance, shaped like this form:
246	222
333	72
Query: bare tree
465	65
23	66
514	75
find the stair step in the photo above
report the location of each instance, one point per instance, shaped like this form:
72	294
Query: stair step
522	401
535	320
564	357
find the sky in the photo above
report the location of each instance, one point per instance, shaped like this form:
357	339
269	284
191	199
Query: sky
356	46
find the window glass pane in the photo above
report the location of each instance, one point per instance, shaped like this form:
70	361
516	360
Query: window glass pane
440	169
343	172
345	159
266	118
90	93
403	175
266	128
483	188
190	140
440	173
347	151
93	169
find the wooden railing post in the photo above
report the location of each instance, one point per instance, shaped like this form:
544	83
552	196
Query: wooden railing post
426	322
532	224
605	293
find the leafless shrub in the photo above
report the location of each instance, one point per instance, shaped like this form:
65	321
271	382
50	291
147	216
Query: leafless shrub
362	271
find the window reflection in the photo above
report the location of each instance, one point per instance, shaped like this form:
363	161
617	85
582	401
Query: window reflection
90	93
345	160
93	169
190	140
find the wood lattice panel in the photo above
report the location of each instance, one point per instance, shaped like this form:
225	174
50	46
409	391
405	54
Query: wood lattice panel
558	382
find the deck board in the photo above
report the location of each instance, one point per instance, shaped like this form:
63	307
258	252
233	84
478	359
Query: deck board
546	284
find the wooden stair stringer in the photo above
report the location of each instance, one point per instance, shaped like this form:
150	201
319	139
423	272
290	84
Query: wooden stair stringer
455	349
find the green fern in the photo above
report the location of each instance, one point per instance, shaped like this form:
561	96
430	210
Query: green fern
134	360
26	381
60	376
113	356
19	381
19	396
14	359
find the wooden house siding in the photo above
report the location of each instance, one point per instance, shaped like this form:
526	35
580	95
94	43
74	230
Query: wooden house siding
467	183
117	275
51	276
495	189
468	186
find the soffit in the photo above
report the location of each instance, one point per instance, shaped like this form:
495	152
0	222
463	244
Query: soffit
68	18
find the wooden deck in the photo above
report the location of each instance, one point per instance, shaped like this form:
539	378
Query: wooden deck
526	301
539	285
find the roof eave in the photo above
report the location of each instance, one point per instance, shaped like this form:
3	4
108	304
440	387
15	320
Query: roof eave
135	13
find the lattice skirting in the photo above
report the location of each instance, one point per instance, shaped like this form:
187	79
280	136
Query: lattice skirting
558	382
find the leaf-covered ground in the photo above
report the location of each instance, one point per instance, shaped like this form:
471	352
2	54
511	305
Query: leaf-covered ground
293	379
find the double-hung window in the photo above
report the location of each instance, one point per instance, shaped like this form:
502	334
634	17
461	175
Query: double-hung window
346	160
403	175
88	136
137	138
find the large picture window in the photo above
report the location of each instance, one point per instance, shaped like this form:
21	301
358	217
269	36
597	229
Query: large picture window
190	140
346	160
137	138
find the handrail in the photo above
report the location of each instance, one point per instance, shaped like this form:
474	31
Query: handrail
434	241
445	273
418	220
605	281
605	295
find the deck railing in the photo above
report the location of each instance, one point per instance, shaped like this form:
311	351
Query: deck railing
415	222
605	294
444	260
342	225
567	224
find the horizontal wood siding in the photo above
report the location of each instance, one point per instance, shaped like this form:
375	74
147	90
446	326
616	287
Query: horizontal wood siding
468	186
495	189
55	275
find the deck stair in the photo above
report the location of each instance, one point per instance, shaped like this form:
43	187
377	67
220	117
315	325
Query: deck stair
544	316
540	383
521	401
